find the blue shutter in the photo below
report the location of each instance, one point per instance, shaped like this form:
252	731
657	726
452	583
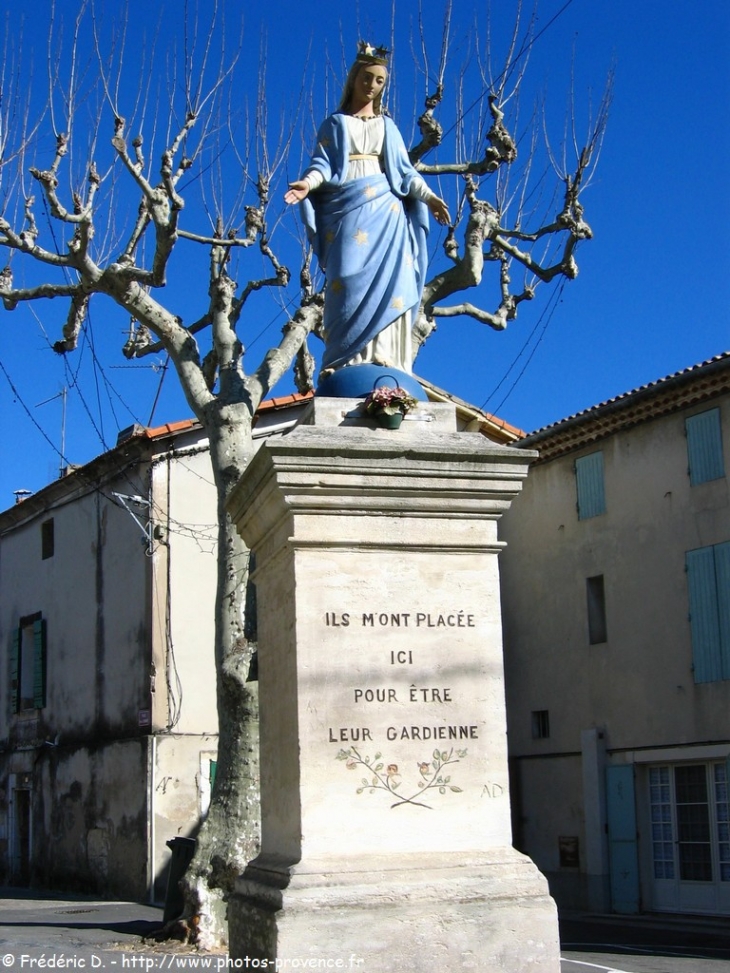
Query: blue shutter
39	663
722	579
704	447
708	583
622	839
589	485
15	671
703	615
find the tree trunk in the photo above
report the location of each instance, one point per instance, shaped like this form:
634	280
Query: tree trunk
229	837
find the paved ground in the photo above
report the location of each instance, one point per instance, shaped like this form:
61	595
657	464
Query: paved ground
41	932
644	944
54	932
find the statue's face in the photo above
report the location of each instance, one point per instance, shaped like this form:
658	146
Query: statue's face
369	83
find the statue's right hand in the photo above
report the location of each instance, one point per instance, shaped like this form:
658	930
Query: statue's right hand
297	191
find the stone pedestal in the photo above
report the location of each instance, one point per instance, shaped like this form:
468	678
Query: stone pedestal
386	841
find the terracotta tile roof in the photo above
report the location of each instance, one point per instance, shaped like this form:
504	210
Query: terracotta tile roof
490	425
169	428
282	401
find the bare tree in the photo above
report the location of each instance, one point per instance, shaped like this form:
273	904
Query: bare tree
189	125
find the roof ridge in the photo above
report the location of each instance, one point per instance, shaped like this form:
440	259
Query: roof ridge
685	373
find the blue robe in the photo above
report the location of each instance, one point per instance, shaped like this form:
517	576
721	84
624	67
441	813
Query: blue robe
369	238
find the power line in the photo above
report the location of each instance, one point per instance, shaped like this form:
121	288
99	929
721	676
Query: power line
41	430
549	310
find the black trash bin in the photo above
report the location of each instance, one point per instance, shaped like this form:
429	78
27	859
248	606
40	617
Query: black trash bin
182	850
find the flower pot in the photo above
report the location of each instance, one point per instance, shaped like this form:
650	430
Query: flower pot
389	421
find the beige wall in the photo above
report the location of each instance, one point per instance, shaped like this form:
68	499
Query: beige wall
180	794
639	684
90	819
185	513
105	795
98	660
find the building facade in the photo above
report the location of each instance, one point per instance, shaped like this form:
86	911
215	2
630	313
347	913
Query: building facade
616	602
108	722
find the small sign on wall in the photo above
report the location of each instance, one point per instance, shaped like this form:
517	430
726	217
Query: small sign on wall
569	852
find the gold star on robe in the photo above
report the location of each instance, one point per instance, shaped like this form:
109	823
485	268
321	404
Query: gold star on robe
360	238
394	207
398	303
336	286
370	191
329	236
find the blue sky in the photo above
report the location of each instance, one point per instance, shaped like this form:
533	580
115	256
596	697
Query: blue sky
651	297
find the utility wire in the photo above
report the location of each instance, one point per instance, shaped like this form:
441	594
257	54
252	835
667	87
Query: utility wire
201	533
548	310
41	430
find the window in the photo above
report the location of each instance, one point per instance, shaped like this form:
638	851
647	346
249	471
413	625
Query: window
596	604
589	486
722	801
689	822
540	724
47	539
708	584
704	447
662	828
28	664
694	836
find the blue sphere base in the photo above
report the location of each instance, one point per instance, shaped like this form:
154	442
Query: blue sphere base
357	381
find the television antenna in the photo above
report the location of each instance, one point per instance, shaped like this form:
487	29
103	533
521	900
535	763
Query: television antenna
63	395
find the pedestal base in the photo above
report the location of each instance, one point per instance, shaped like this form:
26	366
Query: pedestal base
405	913
385	818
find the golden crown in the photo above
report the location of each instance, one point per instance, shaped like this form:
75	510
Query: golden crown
372	55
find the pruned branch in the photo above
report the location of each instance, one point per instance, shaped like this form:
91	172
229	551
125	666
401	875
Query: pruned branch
432	132
501	151
74	322
25	242
11	298
277	360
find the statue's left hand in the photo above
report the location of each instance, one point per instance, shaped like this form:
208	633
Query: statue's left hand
439	210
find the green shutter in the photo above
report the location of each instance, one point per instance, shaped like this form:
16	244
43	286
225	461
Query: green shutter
39	663
15	671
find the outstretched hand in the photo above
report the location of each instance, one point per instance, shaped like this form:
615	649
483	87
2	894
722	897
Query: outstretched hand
439	210
297	191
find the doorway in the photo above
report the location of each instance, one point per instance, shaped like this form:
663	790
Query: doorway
690	832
